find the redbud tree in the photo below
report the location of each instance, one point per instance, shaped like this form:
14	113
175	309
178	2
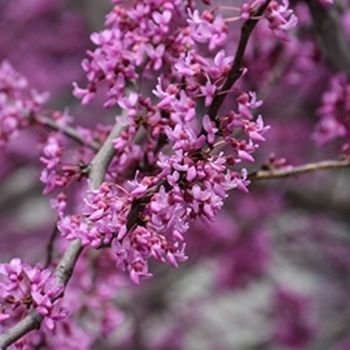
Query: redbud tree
134	212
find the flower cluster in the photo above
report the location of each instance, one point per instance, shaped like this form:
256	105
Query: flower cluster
334	112
114	215
89	298
138	37
53	152
281	18
23	287
62	166
17	105
294	324
147	218
208	29
179	165
164	65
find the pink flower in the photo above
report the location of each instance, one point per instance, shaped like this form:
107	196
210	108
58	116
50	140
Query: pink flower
85	94
246	103
207	28
210	128
222	65
209	92
281	19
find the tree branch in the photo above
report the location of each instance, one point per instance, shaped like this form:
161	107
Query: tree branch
330	35
99	164
298	170
68	131
236	68
50	246
65	268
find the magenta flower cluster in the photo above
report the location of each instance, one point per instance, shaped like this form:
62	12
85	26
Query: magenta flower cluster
17	104
163	65
184	169
24	288
280	17
334	112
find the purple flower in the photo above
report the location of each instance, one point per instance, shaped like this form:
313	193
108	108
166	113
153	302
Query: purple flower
210	128
209	92
246	103
53	152
281	18
207	28
222	65
52	180
86	95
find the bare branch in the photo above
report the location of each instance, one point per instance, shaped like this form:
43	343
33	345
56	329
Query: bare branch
236	68
99	164
65	267
68	131
298	170
50	246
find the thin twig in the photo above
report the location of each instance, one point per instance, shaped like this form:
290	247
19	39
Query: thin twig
236	68
298	170
68	131
50	246
65	267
